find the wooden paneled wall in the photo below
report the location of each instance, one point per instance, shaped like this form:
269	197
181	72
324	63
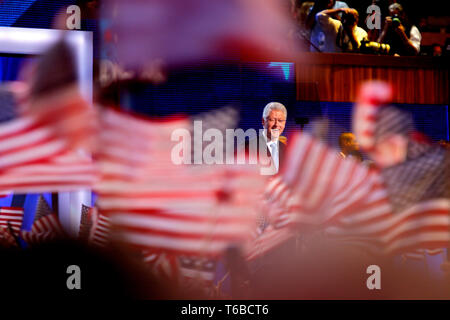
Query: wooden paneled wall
336	77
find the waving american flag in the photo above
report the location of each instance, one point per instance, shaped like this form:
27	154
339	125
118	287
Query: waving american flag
22	139
40	137
400	206
46	226
11	218
155	204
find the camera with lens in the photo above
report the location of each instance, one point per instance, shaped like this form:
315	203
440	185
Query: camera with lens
396	20
372	47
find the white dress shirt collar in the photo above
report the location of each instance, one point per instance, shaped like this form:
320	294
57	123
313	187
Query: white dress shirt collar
267	141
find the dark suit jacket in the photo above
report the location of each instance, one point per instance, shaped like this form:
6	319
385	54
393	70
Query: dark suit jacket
262	141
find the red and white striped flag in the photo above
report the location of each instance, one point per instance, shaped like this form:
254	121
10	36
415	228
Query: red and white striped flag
420	254
162	264
53	119
184	209
268	240
423	226
85	223
348	200
24	141
4	194
34	158
181	213
101	229
11	217
38	146
319	188
46	231
65	172
95	228
7	240
197	273
130	146
416	175
71	118
55	100
46	226
401	207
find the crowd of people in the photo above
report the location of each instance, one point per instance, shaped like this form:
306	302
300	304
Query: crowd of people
333	26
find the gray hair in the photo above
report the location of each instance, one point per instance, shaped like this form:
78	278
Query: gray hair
396	5
273	106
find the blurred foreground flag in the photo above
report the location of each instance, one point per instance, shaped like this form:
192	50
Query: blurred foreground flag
22	139
54	98
188	212
421	254
41	136
69	171
4	194
322	191
182	32
133	147
180	208
415	173
316	190
270	239
399	206
323	188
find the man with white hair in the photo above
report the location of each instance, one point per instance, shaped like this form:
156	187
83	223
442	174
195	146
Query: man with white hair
273	120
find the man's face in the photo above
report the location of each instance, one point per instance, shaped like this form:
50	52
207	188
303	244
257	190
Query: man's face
353	143
274	124
350	144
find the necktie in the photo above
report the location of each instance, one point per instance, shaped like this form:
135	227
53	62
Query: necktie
274	153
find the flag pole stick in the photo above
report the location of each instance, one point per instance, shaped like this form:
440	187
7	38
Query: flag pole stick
218	287
55	203
239	272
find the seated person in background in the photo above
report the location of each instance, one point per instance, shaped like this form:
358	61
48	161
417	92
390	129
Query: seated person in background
403	37
444	144
436	50
343	36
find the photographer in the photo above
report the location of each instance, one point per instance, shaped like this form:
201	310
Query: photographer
343	36
403	37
